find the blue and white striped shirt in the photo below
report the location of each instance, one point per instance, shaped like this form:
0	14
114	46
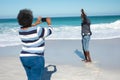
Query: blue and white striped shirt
33	40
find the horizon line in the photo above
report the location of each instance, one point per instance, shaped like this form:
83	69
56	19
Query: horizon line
65	16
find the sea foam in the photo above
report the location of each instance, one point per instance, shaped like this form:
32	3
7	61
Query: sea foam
9	36
99	31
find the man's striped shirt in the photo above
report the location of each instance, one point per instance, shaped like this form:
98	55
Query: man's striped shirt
33	40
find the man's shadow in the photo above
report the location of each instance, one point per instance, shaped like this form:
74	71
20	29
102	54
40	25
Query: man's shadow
48	73
79	54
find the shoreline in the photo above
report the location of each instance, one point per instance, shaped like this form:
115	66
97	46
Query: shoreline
70	39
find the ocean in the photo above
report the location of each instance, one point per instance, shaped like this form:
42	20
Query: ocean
102	27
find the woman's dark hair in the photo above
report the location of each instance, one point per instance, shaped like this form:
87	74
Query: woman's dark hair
83	15
25	18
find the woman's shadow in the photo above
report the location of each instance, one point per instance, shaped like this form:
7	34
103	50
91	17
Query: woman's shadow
79	54
48	73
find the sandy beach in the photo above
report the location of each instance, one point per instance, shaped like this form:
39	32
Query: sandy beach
63	61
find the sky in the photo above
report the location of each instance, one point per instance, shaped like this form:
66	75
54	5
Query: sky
58	8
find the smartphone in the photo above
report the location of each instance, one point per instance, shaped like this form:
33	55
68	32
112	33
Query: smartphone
43	19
